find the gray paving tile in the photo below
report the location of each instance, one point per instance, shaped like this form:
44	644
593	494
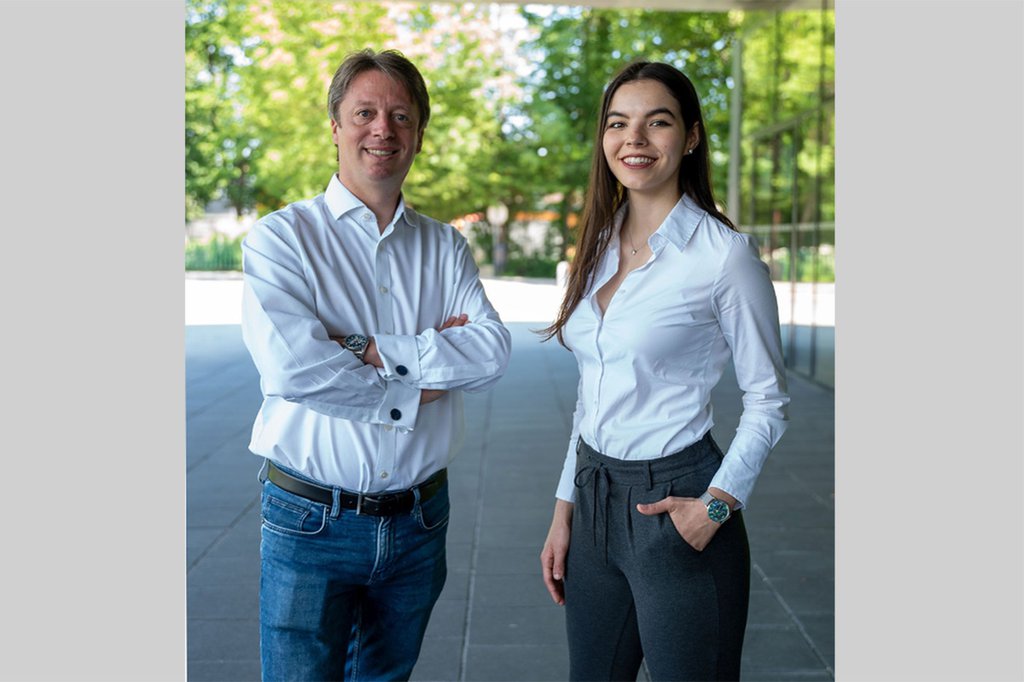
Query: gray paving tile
527	536
807	595
219	601
489	663
448	619
518	625
439	661
779	649
765	609
456	586
219	568
510	590
822	632
223	638
242	670
505	560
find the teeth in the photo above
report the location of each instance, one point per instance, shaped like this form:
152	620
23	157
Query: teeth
637	160
380	152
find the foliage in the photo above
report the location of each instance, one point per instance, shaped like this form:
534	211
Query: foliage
219	253
515	92
788	69
216	149
804	265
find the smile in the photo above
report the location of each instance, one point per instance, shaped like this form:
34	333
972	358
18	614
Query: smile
637	161
382	152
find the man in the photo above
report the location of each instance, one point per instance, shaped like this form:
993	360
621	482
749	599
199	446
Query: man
366	321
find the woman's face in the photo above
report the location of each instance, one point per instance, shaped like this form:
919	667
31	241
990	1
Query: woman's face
645	138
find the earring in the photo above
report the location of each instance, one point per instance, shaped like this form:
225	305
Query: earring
690	150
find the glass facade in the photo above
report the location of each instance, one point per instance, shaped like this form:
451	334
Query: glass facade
788	202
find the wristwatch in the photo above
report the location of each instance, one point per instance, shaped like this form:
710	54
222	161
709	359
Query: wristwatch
718	510
356	343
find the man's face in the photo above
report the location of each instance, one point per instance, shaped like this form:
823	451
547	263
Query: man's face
377	133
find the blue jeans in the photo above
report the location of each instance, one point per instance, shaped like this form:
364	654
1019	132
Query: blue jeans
346	595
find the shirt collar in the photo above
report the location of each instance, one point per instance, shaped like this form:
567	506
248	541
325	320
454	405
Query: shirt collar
341	201
681	222
678	226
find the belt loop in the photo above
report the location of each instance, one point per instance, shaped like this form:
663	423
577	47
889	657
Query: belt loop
359	503
415	496
261	475
335	502
650	476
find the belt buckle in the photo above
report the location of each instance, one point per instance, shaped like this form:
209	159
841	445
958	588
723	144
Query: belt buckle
376	501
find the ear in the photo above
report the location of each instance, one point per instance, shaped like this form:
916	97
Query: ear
419	141
693	137
334	131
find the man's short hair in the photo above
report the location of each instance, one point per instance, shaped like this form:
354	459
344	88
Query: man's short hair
391	63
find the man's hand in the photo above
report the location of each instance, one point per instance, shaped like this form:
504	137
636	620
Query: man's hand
429	395
371	356
454	321
690	516
556	547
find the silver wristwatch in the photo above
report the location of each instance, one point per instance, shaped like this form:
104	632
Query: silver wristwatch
718	510
356	343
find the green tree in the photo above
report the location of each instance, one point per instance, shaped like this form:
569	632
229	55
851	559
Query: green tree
215	148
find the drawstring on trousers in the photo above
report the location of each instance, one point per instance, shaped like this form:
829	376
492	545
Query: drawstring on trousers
596	473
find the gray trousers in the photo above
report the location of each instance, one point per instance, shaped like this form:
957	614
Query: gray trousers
635	589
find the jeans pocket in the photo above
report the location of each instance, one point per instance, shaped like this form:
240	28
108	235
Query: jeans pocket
289	514
433	513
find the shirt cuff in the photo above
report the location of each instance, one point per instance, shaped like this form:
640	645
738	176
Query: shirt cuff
400	406
567	482
401	357
740	489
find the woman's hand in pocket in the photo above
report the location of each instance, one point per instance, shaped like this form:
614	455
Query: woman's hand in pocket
690	517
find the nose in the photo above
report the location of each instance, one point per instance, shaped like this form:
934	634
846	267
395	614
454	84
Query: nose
635	136
382	127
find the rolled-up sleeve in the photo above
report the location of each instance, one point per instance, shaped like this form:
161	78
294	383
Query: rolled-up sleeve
291	347
468	358
747	312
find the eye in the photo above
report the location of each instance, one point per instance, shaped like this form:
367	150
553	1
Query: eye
616	124
363	113
658	123
402	118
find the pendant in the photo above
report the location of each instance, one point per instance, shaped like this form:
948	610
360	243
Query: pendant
634	251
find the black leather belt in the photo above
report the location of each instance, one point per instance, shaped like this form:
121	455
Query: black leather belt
385	504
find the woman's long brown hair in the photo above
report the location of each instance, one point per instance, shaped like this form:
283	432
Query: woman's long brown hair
605	196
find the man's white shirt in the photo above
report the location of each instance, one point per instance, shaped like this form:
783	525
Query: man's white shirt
321	268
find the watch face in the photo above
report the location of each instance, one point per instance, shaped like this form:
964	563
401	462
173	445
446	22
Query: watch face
356	342
718	510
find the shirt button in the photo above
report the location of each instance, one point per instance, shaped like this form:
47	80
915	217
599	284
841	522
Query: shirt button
402	370
367	216
388	427
383	290
383	474
396	414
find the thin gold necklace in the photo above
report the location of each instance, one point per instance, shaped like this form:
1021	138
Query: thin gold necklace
631	246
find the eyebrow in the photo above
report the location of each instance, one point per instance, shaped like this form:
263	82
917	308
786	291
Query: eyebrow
652	112
368	103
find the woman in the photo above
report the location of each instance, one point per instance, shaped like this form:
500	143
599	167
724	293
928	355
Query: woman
647	548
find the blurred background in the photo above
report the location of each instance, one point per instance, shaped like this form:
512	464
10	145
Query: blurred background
515	91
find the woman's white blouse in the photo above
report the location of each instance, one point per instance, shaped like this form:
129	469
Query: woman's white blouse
647	366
